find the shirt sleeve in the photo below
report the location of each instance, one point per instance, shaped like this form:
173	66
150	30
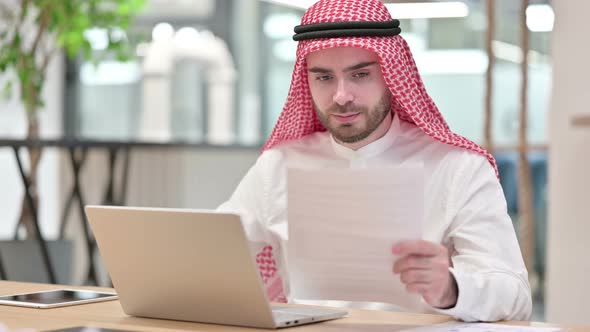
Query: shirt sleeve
486	259
251	201
247	200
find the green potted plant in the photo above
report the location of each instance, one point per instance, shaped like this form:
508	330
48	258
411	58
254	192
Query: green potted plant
32	32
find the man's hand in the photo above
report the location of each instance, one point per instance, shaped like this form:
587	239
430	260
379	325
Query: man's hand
424	269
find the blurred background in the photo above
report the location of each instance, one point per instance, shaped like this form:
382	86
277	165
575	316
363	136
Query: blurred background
180	122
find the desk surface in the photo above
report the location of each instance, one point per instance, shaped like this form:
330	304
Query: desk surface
110	315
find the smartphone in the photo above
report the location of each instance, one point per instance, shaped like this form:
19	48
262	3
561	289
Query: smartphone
56	298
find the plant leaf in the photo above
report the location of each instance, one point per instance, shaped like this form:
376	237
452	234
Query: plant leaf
67	20
7	90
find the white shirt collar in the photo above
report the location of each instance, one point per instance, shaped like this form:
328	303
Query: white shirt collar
373	148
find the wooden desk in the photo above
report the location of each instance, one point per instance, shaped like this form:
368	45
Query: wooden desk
110	315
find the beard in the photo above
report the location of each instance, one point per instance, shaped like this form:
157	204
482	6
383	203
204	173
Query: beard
357	131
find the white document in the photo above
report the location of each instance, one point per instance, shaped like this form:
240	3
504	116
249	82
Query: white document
342	226
480	327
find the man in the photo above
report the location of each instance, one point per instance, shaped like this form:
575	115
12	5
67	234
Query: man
355	77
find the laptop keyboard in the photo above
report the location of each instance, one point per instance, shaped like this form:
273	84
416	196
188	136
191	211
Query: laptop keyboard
282	314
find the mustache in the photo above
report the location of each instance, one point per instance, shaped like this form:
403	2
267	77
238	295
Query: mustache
348	108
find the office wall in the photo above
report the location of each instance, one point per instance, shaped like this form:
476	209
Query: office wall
568	274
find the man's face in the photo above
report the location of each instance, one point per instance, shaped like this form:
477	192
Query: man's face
349	93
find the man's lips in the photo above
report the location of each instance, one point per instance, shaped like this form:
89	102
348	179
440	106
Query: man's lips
347	117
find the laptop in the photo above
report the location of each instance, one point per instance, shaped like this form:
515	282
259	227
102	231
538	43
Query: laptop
189	265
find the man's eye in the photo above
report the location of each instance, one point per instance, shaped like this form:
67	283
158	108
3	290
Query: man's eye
361	75
323	77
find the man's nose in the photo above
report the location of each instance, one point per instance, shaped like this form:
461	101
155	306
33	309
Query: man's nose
343	93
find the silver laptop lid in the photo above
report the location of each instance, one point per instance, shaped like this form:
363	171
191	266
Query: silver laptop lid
191	265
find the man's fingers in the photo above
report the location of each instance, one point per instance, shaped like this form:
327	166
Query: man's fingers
416	276
417	247
419	288
411	262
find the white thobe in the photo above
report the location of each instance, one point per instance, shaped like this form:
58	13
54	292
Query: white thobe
465	210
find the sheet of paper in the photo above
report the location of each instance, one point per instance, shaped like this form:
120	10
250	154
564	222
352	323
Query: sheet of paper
480	327
342	225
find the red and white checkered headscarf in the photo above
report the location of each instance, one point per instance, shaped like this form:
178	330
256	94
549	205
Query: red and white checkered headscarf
411	101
